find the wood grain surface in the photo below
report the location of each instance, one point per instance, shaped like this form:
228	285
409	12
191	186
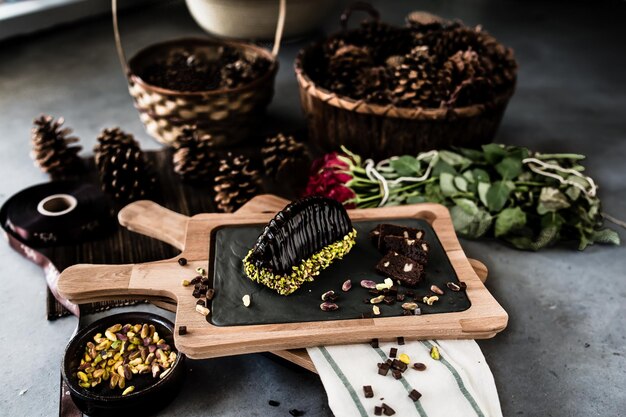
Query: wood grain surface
161	279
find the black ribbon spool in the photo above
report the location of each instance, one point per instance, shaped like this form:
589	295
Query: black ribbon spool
56	213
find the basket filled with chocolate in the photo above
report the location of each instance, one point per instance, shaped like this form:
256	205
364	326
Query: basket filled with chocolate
384	90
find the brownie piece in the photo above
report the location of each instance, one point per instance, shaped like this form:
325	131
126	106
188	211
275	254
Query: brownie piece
396	266
411	248
379	233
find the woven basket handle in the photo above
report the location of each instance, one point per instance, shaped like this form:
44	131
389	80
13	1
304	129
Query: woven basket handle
121	54
362	6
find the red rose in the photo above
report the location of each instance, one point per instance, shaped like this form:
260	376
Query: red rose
328	178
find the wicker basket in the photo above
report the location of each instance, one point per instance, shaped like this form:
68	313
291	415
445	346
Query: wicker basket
228	115
378	131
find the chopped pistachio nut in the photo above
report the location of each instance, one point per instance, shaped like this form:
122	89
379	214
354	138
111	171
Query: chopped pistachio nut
122	355
404	358
305	271
434	353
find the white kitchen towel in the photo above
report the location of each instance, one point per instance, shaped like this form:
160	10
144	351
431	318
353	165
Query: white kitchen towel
459	384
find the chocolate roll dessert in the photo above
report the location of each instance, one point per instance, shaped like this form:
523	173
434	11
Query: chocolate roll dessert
300	241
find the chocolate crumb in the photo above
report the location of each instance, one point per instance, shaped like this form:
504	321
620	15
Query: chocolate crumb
389	300
368	391
388	411
295	412
393	352
210	293
400	297
415	395
378	411
182	261
273	403
418	366
374	343
396	374
383	369
182	330
401	340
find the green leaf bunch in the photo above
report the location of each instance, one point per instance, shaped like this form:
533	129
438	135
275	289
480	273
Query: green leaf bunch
491	192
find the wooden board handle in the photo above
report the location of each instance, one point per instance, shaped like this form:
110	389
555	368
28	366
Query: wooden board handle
93	281
150	219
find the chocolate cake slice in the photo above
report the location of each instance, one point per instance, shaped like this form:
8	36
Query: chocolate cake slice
411	248
301	240
383	230
408	271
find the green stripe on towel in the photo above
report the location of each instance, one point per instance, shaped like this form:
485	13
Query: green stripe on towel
344	380
459	381
405	384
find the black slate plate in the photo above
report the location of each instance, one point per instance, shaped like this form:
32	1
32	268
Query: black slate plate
232	243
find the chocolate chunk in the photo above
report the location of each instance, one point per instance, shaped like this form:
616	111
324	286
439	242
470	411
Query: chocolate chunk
404	269
393	290
182	261
401	340
463	285
378	234
393	352
399	297
204	281
399	365
383	369
210	293
201	302
182	330
196	293
378	411
388	411
411	248
273	403
374	292
374	343
296	413
368	391
418	366
389	362
415	395
396	374
195	280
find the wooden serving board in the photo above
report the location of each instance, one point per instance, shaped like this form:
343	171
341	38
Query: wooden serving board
161	279
143	223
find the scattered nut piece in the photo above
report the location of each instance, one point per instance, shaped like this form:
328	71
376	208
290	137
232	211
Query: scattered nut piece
377	300
404	358
128	390
376	310
430	300
186	283
246	300
409	306
436	289
200	271
328	295
328	306
366	283
434	353
347	284
202	310
182	261
453	286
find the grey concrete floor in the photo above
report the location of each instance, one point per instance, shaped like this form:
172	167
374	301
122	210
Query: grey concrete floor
564	351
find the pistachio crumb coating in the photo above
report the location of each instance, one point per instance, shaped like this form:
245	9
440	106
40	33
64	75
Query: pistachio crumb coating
304	272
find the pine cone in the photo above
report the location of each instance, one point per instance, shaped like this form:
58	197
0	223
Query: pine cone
236	183
194	158
50	147
346	65
242	71
124	172
373	85
281	154
414	79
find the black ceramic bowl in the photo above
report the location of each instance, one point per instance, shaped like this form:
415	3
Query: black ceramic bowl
150	394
